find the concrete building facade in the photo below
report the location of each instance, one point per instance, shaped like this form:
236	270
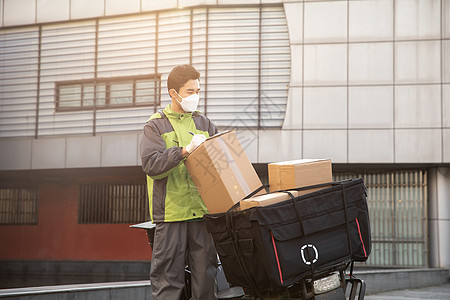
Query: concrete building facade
363	82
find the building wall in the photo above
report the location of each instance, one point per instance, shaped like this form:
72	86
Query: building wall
369	83
370	80
439	217
58	234
71	152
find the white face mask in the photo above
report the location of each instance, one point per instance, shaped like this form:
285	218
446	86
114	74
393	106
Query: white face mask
189	104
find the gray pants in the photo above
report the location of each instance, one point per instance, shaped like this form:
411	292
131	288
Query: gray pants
175	244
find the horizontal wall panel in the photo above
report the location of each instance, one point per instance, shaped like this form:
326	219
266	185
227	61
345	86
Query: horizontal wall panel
19	52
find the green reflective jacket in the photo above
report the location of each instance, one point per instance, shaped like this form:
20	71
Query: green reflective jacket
172	194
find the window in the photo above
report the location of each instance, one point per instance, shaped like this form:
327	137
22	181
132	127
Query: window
397	202
113	203
108	93
18	206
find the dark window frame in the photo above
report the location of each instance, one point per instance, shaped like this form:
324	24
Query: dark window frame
113	203
19	206
107	82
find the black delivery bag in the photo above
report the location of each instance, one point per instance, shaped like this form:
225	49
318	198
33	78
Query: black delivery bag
272	247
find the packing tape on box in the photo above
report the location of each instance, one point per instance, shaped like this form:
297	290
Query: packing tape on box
234	167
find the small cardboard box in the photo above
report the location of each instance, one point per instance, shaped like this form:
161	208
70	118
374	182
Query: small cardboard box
222	172
299	173
267	199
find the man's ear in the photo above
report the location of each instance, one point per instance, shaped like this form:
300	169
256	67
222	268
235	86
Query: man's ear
172	93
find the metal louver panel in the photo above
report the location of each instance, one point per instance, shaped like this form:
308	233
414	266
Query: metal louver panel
19	58
398	217
242	53
248	66
67	52
113	203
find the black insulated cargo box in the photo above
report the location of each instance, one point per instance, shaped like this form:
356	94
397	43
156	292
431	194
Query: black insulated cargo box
272	247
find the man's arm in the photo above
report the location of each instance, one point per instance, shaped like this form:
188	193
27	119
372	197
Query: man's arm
212	130
157	161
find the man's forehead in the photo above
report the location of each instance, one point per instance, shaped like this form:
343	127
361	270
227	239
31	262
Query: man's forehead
193	84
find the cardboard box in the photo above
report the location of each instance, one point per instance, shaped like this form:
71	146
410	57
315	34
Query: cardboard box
222	172
299	173
267	199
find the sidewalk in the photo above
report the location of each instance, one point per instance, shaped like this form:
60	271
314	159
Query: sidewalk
430	293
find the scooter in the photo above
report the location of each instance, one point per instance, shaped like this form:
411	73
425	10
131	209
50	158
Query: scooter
335	285
328	286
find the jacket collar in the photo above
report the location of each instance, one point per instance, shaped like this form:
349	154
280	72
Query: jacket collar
171	114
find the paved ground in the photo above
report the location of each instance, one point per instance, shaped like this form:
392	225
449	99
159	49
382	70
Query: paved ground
429	293
94	291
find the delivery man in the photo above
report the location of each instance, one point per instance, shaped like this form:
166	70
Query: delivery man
175	204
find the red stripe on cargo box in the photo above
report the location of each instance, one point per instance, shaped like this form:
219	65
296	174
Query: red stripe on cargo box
360	237
276	256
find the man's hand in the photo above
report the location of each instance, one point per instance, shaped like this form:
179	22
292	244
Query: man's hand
184	152
196	141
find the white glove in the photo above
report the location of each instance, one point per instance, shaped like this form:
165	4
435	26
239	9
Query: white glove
196	141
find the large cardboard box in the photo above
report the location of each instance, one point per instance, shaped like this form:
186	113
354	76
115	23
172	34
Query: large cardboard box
222	172
299	173
267	199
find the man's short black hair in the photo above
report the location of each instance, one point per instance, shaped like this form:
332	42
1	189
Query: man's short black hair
180	75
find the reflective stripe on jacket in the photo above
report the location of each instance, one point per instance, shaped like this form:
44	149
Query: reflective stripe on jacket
172	194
